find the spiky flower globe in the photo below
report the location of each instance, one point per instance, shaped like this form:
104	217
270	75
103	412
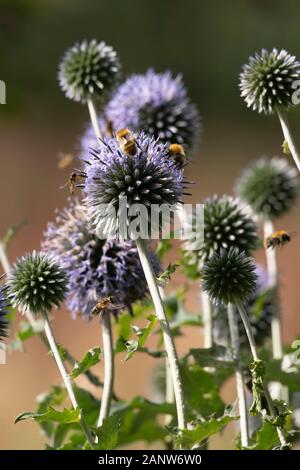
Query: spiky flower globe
261	308
269	186
37	283
96	268
229	277
156	103
147	177
87	69
266	82
226	224
3	313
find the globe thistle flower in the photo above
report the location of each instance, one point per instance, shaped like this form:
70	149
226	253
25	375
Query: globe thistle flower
37	283
3	313
156	103
149	177
226	224
269	186
229	277
260	321
96	268
266	81
88	68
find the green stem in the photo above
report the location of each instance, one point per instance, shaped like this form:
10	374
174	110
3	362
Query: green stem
288	136
207	320
252	344
239	376
65	376
168	339
108	383
94	118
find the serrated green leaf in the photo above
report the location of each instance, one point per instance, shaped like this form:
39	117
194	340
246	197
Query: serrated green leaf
108	433
265	438
202	431
66	416
201	391
91	358
217	356
140	420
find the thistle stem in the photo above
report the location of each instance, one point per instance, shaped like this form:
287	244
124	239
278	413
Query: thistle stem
108	368
94	118
288	136
207	320
66	378
167	336
3	258
272	284
247	325
240	388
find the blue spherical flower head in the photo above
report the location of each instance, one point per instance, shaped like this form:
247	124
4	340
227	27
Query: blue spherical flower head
156	103
37	283
96	268
229	277
90	68
120	183
3	313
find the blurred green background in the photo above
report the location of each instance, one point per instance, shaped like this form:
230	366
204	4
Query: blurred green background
206	41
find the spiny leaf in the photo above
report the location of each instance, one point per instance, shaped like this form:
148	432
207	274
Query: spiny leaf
217	356
202	430
108	433
65	416
265	438
91	358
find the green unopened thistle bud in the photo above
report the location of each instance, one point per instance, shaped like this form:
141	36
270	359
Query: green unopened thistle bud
229	277
88	69
37	283
269	186
266	82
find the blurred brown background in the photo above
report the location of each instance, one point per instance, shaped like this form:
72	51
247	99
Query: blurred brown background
208	41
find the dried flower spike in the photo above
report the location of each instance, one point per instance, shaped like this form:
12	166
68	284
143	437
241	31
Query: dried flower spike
266	81
269	186
37	283
88	69
156	103
229	277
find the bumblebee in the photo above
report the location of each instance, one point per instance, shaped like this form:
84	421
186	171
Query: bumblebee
178	154
126	142
279	238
